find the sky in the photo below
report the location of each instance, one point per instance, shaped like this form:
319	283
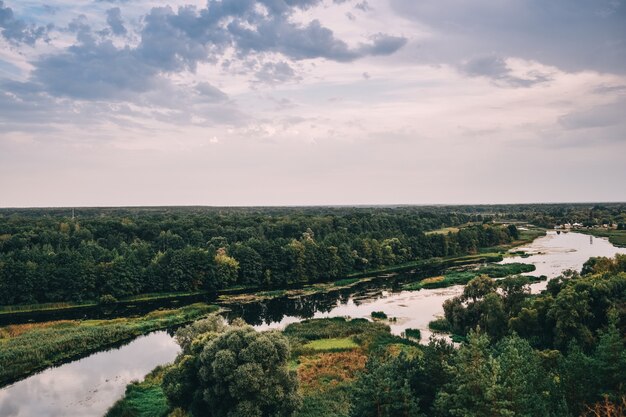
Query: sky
311	102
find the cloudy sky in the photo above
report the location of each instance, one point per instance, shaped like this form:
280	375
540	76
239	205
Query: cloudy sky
296	102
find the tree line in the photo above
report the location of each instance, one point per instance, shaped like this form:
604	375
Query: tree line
48	257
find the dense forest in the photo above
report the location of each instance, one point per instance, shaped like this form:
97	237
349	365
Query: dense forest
49	255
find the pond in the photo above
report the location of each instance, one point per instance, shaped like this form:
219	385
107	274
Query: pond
88	387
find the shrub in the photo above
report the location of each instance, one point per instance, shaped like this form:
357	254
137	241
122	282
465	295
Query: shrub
380	315
440	325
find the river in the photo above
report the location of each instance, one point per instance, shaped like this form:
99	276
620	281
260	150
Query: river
89	386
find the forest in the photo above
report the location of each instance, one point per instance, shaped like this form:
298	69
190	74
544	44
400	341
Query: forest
56	255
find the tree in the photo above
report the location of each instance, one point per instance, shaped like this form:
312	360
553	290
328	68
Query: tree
384	390
474	389
226	269
527	386
244	373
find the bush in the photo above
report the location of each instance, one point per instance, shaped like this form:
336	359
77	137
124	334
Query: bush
380	315
440	325
107	299
413	334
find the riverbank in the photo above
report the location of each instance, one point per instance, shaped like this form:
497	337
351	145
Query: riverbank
616	237
28	348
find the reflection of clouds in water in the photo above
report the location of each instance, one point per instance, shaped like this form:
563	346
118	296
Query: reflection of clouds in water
87	387
554	253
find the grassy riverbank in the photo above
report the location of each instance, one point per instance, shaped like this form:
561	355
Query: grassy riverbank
28	348
616	237
463	277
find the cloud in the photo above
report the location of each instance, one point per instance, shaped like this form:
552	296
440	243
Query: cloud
177	41
273	73
94	70
383	44
210	92
497	69
363	6
16	31
596	117
573	35
114	19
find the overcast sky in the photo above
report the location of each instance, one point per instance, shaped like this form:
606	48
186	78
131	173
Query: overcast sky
298	102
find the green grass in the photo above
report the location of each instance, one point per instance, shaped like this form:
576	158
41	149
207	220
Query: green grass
328	328
36	347
463	277
143	399
22	308
48	307
345	282
331	345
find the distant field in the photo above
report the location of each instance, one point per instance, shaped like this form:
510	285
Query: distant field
443	231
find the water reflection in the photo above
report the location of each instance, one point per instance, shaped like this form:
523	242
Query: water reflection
87	387
554	253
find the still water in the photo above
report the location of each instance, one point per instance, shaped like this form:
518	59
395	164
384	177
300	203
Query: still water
88	387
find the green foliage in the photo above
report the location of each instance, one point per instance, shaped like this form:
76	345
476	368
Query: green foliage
107	299
440	325
244	373
384	390
413	333
336	327
212	325
335	402
473	389
463	277
380	315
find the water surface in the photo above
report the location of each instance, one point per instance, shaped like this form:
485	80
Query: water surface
87	387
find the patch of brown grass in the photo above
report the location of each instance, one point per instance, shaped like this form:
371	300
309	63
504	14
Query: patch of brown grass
432	280
14	330
323	371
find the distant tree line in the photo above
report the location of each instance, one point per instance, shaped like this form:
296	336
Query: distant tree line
48	257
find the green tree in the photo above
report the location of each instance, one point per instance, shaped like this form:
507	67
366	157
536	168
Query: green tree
475	388
384	389
244	373
525	383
